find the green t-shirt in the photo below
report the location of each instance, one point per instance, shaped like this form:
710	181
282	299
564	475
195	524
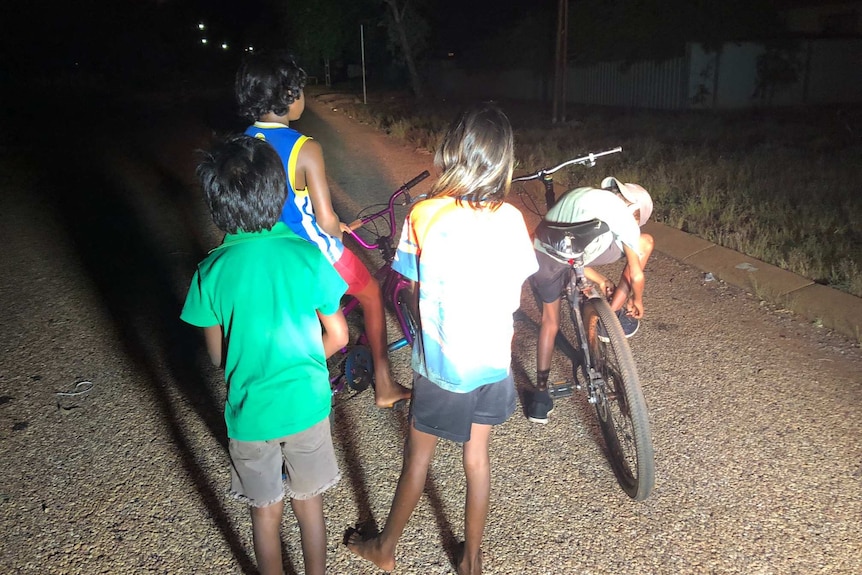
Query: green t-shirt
265	290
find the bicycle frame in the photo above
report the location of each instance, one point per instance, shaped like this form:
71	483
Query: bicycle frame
578	290
391	282
358	365
568	241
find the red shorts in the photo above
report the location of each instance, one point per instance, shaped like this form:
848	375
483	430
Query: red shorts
353	271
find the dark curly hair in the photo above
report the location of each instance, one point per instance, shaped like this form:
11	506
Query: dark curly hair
244	183
268	82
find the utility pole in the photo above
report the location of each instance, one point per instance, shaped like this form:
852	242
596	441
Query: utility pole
560	66
362	41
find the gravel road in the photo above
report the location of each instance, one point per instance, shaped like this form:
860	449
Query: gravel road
755	414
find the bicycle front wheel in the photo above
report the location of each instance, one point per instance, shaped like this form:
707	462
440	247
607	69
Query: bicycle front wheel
620	403
359	368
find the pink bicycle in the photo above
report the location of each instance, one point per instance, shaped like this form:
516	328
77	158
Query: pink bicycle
379	230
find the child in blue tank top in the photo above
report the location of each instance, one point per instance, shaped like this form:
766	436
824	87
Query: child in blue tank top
269	90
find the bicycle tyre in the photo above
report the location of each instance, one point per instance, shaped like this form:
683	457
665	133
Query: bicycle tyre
359	368
620	406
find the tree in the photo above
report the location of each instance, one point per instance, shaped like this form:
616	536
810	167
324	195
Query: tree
408	30
317	30
526	42
778	68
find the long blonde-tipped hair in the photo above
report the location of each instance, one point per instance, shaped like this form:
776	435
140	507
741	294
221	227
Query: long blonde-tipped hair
476	158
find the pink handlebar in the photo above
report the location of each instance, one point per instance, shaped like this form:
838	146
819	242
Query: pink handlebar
389	211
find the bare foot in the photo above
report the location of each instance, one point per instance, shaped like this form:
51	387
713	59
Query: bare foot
370	550
387	393
471	566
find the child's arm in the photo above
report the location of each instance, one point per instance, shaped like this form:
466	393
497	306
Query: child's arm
636	278
214	339
335	334
310	164
605	285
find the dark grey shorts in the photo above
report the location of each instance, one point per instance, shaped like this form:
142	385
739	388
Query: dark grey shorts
307	459
551	278
450	415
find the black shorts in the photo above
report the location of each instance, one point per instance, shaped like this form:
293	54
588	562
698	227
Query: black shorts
549	281
451	415
552	276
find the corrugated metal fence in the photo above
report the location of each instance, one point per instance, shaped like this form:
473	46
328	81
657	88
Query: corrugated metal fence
662	85
828	72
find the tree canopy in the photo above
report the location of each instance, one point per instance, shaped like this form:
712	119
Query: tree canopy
638	29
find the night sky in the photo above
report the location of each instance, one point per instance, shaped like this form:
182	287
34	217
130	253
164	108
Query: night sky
54	32
455	23
113	35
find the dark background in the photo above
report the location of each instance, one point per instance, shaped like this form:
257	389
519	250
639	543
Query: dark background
156	42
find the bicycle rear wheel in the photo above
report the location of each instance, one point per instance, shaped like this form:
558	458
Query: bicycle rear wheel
620	403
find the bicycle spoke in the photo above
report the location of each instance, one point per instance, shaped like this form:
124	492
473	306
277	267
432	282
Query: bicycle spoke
619	402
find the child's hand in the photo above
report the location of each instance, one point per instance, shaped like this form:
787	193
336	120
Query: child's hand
635	308
608	288
345	229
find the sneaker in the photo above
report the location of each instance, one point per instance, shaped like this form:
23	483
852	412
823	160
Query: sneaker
629	324
539	405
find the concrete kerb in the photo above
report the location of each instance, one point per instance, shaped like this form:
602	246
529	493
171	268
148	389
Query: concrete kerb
831	308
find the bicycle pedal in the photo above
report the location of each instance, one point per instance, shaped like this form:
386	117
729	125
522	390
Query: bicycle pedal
561	389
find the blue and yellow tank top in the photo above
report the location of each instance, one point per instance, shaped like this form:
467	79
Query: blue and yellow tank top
298	212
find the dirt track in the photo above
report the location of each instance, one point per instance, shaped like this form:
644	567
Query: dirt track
755	414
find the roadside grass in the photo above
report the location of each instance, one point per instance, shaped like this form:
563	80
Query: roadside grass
782	186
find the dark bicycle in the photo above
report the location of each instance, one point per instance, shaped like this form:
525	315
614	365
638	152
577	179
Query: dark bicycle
606	364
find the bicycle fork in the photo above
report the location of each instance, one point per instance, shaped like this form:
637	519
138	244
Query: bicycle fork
392	284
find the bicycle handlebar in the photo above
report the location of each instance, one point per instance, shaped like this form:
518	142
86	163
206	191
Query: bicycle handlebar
588	160
417	179
389	210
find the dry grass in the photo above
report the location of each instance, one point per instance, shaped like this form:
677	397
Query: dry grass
780	186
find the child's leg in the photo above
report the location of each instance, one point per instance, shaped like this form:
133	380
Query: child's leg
418	452
312	529
256	478
365	288
386	391
311	468
547	335
547	285
477	468
266	534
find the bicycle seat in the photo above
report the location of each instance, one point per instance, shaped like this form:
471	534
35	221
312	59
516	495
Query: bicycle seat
569	240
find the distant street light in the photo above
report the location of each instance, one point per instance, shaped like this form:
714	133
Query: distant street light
203	40
224	46
202	26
